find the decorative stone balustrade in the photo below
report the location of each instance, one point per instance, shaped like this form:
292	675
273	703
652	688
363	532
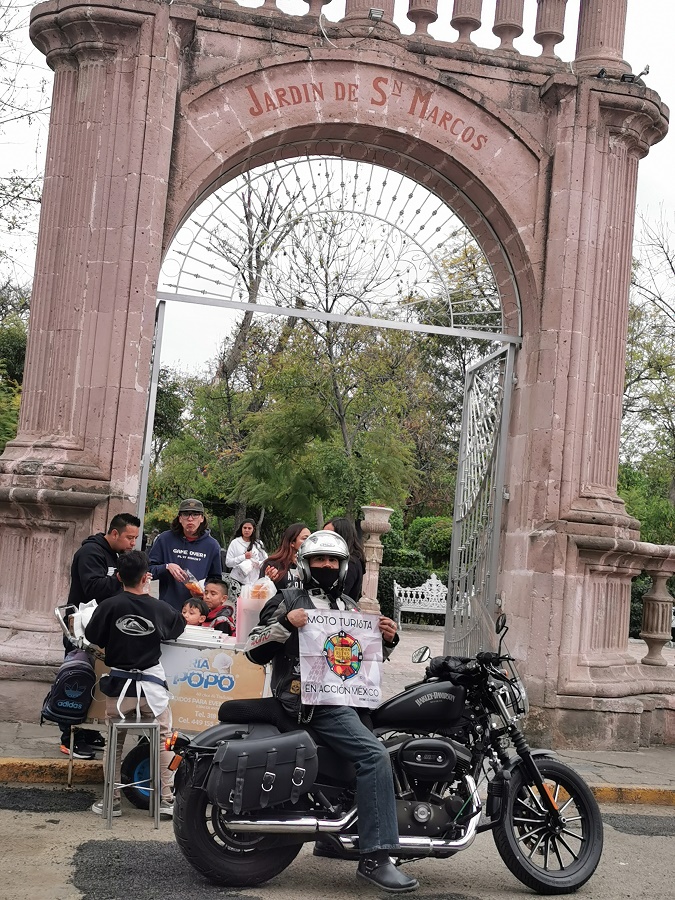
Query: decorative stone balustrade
600	32
610	559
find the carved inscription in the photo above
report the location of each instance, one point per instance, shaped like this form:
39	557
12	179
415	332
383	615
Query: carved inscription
419	104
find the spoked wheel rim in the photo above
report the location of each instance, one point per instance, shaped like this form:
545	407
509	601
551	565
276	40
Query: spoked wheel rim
553	844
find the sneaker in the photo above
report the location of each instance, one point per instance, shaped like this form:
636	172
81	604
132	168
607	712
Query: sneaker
93	738
81	751
98	808
166	809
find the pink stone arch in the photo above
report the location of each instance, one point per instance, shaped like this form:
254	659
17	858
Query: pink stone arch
479	160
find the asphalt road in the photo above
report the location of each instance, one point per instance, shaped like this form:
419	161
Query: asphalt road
54	848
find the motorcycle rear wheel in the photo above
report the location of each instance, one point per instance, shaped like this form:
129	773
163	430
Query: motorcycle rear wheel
225	857
548	861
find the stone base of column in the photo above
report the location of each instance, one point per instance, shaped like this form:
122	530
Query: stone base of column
595	723
24	688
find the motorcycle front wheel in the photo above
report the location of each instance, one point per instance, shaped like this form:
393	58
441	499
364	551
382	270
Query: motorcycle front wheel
222	856
546	857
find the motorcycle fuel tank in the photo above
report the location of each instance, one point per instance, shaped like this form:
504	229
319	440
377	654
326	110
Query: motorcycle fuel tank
435	704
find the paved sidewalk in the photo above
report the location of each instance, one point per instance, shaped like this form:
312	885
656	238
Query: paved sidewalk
30	753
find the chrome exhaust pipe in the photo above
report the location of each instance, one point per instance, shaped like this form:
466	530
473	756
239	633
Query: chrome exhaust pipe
311	825
298	825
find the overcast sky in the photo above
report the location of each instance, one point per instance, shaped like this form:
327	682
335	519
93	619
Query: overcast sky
649	41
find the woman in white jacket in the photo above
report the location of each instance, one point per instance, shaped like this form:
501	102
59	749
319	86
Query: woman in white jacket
245	554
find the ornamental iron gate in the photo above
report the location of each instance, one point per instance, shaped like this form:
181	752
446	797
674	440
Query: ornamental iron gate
479	493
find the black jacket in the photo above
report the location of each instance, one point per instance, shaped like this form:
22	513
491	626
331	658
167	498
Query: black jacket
275	640
131	627
90	577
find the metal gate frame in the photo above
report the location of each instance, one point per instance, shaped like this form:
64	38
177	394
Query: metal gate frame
479	497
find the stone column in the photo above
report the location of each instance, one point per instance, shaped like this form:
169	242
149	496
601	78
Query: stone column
602	27
568	587
374	524
75	461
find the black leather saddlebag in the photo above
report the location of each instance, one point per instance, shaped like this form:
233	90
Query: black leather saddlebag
250	774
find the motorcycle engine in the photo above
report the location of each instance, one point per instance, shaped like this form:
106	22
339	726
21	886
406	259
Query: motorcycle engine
425	817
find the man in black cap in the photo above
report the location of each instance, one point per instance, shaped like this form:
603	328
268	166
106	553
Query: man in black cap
93	577
186	545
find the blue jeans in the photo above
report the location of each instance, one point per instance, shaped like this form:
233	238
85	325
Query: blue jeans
343	731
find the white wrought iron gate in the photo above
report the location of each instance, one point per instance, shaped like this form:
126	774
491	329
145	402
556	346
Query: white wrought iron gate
479	495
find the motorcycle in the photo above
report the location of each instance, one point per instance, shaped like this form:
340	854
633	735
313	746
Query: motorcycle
249	793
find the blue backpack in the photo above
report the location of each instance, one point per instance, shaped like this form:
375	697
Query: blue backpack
68	701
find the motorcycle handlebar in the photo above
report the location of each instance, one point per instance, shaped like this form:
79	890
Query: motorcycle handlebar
487	658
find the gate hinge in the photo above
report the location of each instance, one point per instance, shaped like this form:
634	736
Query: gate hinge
505	494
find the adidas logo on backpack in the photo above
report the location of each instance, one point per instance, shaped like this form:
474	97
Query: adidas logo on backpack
68	701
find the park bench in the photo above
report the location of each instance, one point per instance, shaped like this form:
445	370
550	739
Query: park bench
430	597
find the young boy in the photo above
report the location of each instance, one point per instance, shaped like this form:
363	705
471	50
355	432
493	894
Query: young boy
195	611
220	613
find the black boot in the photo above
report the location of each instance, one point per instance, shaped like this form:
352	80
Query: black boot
378	869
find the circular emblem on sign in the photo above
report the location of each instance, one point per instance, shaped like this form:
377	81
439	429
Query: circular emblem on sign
343	654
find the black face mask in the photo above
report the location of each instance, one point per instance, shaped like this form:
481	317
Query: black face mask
326	579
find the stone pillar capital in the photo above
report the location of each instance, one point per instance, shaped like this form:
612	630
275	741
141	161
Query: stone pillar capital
634	117
88	34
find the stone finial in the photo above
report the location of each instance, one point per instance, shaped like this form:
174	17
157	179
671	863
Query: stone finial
508	22
466	18
375	522
600	36
422	13
550	24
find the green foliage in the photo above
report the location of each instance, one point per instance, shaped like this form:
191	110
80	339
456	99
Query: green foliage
13	337
645	491
10	398
401	558
432	537
393	539
169	408
406	577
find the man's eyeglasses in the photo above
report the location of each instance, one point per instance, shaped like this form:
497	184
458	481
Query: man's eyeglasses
190	515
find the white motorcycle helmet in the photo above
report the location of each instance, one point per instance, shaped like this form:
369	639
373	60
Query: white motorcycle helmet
323	543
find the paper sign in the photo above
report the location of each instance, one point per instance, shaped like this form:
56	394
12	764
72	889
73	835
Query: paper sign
200	679
340	657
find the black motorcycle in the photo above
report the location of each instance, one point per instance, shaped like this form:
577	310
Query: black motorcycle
252	790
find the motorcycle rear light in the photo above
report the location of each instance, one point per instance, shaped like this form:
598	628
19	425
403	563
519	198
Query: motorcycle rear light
176	741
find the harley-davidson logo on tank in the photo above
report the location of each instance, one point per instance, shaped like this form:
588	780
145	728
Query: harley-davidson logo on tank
340	657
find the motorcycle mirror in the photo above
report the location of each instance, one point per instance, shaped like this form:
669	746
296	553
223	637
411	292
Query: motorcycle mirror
422	654
500	624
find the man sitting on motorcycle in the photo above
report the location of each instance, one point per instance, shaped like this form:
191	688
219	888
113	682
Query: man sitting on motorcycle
322	562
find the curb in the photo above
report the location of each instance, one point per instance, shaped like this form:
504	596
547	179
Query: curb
638	795
49	771
55	771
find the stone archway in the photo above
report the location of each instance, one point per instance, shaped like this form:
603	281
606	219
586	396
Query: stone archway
155	103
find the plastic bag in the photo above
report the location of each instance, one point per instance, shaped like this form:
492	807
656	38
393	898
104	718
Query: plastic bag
192	584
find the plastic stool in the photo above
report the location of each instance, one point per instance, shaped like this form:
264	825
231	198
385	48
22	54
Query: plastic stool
154	787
